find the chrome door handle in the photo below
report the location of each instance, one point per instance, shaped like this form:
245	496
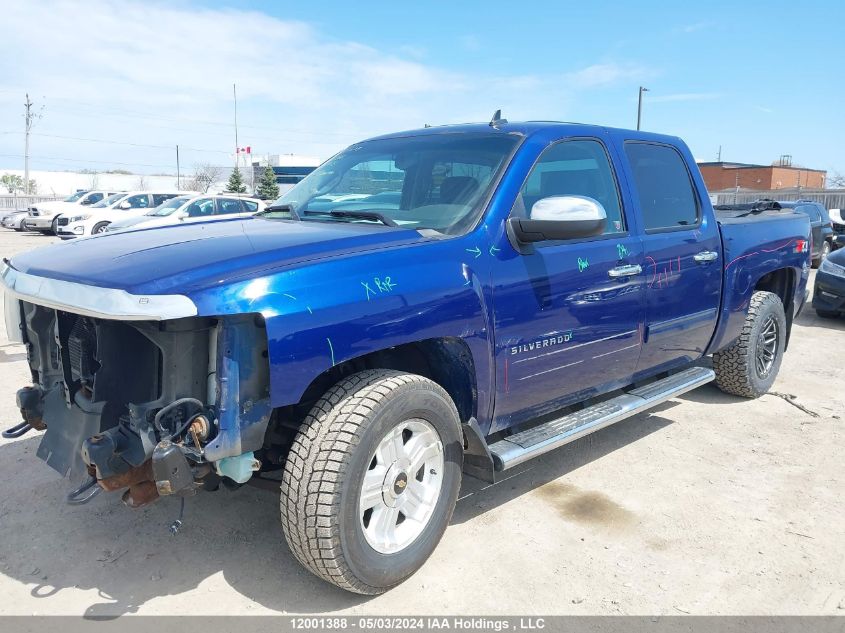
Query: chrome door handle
705	257
625	271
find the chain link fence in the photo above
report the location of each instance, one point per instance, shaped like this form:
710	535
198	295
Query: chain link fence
830	198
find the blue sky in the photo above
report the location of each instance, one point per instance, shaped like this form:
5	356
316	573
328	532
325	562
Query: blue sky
759	79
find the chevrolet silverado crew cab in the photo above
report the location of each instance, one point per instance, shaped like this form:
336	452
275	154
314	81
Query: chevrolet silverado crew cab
425	304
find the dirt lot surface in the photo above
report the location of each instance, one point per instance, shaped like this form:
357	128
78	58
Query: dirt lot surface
708	505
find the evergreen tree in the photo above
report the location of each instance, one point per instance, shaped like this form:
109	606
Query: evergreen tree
236	182
268	189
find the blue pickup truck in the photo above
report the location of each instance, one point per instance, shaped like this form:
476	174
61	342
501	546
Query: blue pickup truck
446	301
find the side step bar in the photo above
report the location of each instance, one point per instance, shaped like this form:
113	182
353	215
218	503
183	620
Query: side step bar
525	445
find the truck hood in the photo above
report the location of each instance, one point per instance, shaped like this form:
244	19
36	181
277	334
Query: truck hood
187	258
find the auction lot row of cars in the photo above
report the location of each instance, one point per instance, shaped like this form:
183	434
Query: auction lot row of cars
93	212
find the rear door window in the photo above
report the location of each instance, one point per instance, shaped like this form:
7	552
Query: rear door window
204	207
140	201
159	198
228	206
663	186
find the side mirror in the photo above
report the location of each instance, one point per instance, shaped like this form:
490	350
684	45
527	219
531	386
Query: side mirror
86	202
560	218
124	205
181	215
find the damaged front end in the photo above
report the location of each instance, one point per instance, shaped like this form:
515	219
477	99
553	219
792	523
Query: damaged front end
155	407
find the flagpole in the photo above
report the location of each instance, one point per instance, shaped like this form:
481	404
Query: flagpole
235	97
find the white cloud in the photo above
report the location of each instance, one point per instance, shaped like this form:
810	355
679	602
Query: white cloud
697	26
159	73
605	74
683	96
471	42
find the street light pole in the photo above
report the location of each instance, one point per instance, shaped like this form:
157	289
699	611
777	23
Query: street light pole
640	106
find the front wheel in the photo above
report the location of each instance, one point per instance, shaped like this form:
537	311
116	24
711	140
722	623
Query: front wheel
749	367
100	227
371	480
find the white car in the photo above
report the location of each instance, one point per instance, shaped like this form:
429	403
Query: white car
15	220
202	208
42	215
94	219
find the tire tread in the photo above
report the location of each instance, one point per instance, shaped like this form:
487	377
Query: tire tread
314	471
732	365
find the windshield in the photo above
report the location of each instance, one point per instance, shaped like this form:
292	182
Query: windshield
168	207
105	202
75	196
436	181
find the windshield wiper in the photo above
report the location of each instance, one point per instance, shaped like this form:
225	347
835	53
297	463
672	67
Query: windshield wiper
281	207
363	215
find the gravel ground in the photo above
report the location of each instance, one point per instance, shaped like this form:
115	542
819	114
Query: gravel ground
707	505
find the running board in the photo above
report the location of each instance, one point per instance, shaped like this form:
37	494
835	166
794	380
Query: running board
525	445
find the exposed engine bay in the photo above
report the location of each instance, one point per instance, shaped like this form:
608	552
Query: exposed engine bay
152	407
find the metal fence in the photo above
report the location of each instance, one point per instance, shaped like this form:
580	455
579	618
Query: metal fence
22	202
830	198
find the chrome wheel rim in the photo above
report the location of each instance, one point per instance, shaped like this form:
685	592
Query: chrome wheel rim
401	486
767	347
100	229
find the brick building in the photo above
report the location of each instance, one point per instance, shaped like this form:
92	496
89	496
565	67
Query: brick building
721	176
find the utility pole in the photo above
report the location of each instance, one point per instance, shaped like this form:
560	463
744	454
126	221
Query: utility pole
640	106
719	155
178	180
28	116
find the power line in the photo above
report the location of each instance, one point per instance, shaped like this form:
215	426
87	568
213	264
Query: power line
93	162
139	114
112	142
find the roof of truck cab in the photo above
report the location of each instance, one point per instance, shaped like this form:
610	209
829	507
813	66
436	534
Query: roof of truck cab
529	128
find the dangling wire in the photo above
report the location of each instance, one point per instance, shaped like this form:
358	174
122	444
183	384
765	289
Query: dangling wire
177	524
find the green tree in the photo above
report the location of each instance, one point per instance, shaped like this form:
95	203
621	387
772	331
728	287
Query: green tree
11	182
236	182
268	188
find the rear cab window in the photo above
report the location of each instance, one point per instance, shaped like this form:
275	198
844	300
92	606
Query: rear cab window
663	187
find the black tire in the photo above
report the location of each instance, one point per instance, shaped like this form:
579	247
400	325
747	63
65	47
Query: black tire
99	227
827	314
54	227
330	456
737	370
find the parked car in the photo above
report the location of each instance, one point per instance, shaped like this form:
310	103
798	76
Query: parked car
185	210
43	215
15	220
533	283
838	221
96	218
829	289
823	234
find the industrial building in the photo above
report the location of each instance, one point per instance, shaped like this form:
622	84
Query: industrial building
720	176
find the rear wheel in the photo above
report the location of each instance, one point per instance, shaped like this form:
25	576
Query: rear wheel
371	480
749	367
100	227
